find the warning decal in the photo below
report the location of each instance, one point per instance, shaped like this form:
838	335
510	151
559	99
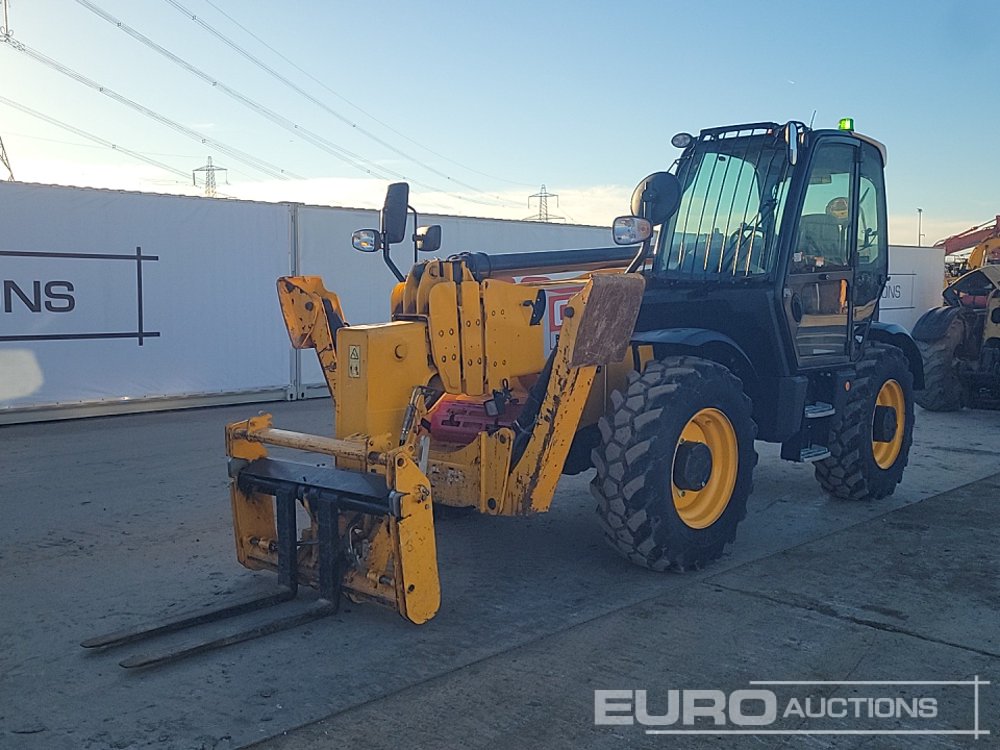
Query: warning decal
354	361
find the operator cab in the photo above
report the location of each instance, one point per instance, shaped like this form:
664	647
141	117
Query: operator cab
974	289
778	221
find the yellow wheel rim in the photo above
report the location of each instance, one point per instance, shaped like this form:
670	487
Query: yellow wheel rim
886	453
699	509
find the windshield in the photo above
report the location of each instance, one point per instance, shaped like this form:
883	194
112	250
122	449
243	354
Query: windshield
734	193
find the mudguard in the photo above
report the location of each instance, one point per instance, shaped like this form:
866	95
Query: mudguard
702	342
934	323
898	336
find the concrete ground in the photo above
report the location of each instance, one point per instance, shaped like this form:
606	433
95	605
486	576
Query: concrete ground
110	522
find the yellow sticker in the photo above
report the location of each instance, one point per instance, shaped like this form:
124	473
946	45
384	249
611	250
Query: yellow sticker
354	361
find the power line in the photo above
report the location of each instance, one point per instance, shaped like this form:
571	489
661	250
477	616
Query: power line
343	154
77	144
89	136
238	154
354	160
302	92
208	27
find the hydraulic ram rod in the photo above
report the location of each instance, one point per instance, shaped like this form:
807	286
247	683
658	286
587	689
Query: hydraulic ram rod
312	443
484	266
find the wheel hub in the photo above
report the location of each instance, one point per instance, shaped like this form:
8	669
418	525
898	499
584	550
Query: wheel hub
885	424
692	466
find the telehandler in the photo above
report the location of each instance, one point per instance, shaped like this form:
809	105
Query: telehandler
752	315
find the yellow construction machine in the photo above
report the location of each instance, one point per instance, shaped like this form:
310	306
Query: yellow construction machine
461	350
960	343
960	340
753	315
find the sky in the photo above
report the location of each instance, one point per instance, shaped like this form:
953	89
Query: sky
479	104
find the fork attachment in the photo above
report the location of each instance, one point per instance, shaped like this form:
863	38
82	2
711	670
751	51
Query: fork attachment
371	530
366	538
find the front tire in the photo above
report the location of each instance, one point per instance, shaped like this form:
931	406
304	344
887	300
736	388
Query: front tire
675	464
942	389
869	445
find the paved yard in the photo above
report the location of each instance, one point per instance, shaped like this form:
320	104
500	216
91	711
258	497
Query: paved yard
109	522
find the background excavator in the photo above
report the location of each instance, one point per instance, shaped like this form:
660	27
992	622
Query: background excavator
751	315
984	240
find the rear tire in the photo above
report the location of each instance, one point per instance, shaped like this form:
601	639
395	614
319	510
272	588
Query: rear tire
858	467
644	514
943	390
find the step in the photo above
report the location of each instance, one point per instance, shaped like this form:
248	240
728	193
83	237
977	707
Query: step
819	409
814	453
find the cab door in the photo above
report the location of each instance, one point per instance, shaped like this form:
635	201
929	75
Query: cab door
872	258
819	284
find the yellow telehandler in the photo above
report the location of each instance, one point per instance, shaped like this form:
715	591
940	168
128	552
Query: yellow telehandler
753	315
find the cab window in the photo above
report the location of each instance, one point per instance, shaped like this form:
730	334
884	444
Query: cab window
823	243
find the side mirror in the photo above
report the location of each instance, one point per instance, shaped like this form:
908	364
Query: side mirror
367	240
428	239
657	198
393	219
631	230
792	139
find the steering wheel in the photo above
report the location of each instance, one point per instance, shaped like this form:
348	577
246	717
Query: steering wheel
740	244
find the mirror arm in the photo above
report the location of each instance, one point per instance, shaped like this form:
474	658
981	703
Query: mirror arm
640	257
388	261
385	250
415	224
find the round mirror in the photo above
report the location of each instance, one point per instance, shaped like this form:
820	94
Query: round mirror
657	197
